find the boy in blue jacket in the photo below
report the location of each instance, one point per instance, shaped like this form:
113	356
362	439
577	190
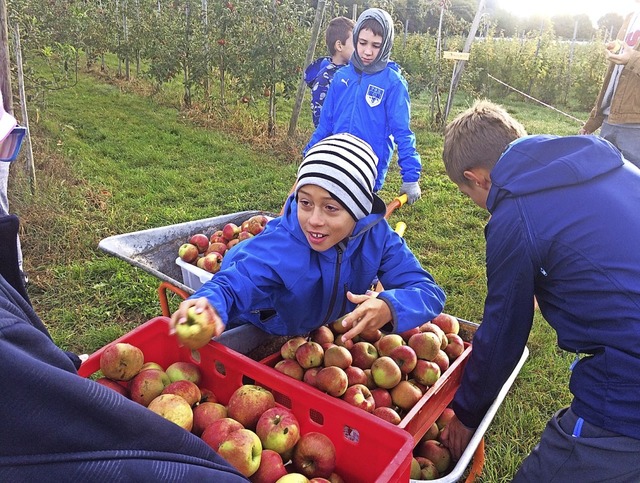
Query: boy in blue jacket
315	263
564	228
319	74
369	98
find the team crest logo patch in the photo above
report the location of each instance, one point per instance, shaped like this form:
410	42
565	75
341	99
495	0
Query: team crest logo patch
374	95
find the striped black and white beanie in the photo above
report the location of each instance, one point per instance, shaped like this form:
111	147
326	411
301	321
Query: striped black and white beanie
346	167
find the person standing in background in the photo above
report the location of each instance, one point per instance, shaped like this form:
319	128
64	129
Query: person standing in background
617	109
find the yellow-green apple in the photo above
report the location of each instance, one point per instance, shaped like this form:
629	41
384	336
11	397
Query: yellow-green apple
186	389
382	397
151	365
406	335
363	354
197	329
322	335
230	231
174	408
188	252
288	349
147	385
248	402
444	418
387	343
201	241
426	372
200	263
332	380
414	473
448	323
337	356
432	433
278	429
211	262
425	344
405	357
184	370
293	478
311	376
359	396
121	361
455	347
431	327
319	480
388	414
336	478
113	385
310	354
206	413
336	326
218	430
314	455
428	470
421	386
243	449
291	368
218	247
442	359
436	452
405	395
355	375
271	468
386	372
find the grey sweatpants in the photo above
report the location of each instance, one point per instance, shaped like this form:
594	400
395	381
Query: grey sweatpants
625	138
572	450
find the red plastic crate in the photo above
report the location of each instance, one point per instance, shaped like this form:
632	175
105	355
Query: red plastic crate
418	420
367	450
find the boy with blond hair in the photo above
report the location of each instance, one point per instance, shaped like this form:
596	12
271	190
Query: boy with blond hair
564	227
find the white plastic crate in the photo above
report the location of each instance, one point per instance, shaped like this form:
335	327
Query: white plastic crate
192	276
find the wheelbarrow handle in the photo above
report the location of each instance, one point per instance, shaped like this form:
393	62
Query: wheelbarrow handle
395	204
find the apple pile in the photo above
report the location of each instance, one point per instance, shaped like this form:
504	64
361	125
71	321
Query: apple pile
261	439
386	374
206	252
431	459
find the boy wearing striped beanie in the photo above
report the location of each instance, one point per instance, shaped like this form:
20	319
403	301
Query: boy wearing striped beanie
315	262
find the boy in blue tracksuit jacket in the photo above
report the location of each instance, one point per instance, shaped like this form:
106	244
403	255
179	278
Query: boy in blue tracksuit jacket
564	227
369	98
315	263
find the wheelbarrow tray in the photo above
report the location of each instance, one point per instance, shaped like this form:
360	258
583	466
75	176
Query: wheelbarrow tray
154	250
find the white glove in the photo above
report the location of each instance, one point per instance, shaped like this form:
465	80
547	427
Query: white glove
412	189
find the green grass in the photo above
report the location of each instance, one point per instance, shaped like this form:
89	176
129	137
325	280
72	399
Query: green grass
110	161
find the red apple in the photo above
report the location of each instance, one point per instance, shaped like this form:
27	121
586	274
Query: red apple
337	356
448	323
278	429
201	241
147	385
290	368
245	235
322	335
388	414
355	375
207	395
436	452
232	243
200	263
385	372
218	430
188	252
426	345
216	236
206	413
230	231
121	361
113	385
271	468
455	347
372	336
428	470
431	327
370	382
406	335
243	449
186	389
314	455
218	247
382	397
332	380
256	224
248	402
184	370
426	372
387	343
405	395
336	326
198	329
405	357
363	354
212	262
442	359
311	376
359	396
174	408
310	354
288	349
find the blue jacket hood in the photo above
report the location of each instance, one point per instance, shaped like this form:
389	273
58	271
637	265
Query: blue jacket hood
314	68
540	163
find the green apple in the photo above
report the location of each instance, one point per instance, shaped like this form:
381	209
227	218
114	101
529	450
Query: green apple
197	330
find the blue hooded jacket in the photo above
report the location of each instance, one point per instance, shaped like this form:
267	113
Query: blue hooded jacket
318	76
278	283
564	227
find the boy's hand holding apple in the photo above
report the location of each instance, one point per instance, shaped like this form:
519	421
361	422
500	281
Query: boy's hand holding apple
195	323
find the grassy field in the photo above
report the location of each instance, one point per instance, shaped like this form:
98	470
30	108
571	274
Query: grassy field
111	159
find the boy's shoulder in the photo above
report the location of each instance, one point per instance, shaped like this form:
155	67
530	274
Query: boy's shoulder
315	67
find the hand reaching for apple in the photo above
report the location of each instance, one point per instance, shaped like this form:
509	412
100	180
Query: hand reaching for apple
195	323
370	315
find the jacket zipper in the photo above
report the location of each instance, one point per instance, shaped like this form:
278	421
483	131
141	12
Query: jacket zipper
336	281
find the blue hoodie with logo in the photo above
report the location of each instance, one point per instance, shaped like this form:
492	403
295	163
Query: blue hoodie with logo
564	227
278	283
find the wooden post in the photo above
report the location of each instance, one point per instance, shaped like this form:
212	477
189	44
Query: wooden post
315	33
5	59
